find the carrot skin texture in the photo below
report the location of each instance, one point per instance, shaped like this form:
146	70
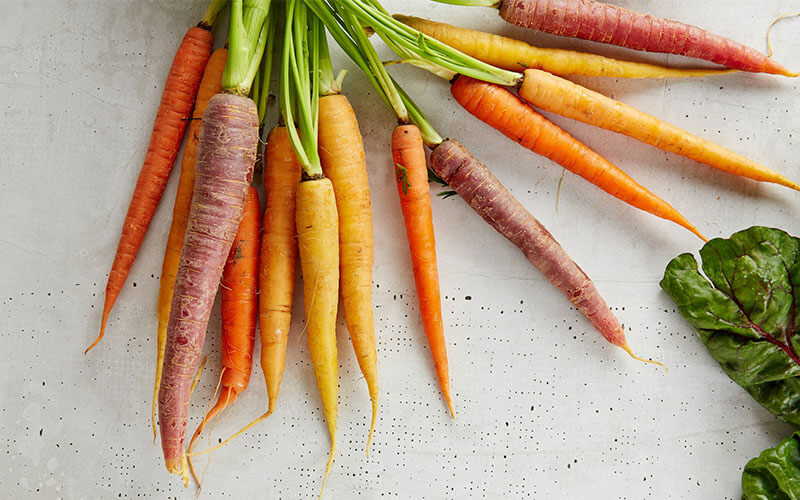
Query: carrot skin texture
606	23
223	172
278	257
341	152
504	111
516	55
177	99
239	310
210	85
483	192
415	201
318	242
568	99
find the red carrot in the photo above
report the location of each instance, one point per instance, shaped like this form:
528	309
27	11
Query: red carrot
606	23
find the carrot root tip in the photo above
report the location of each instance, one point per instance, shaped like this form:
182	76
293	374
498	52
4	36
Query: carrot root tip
627	349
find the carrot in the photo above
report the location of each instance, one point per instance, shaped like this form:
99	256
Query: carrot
606	23
483	192
224	169
565	98
415	201
278	257
507	113
239	311
318	242
513	55
342	156
210	85
177	99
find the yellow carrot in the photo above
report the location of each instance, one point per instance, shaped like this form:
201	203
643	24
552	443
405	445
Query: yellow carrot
516	55
560	96
342	156
318	245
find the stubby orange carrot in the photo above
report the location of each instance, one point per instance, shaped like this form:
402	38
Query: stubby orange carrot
210	85
239	312
174	111
411	173
504	111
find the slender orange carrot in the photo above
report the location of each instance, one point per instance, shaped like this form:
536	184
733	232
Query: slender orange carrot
210	85
239	311
170	124
278	257
415	201
504	111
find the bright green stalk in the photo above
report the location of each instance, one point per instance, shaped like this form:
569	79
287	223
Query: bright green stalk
244	56
211	14
426	47
296	89
254	16
328	85
266	68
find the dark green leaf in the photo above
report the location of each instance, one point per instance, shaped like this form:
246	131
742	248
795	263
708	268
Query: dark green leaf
402	177
745	310
446	194
775	474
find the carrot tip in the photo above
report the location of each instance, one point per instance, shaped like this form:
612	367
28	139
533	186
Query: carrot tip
450	407
328	468
178	466
627	349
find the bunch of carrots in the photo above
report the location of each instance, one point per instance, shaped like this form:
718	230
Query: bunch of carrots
317	207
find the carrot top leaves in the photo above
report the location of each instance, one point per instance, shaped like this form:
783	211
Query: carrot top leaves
404	40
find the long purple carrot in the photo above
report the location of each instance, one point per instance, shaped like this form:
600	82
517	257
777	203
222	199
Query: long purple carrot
491	200
605	23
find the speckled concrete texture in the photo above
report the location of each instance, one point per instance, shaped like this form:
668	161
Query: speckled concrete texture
545	408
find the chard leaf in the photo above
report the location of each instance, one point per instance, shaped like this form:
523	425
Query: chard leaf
775	474
745	308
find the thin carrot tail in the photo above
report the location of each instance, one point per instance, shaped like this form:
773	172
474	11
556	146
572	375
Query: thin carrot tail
627	349
450	405
374	418
221	404
328	466
103	320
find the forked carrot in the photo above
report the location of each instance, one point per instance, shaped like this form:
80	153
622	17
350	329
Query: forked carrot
516	55
210	85
278	257
504	111
565	98
172	117
239	312
408	154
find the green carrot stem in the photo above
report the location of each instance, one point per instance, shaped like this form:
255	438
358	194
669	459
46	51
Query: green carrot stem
213	9
266	67
328	85
244	55
296	87
428	48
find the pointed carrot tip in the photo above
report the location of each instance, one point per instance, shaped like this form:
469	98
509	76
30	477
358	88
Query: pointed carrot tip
627	349
328	468
450	407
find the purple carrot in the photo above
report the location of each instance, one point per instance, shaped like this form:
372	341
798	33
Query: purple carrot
605	23
223	171
491	200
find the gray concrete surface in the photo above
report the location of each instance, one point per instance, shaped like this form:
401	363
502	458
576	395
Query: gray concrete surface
545	408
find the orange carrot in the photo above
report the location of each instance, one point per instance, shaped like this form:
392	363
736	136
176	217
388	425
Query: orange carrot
239	311
210	85
170	124
278	257
415	201
510	115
